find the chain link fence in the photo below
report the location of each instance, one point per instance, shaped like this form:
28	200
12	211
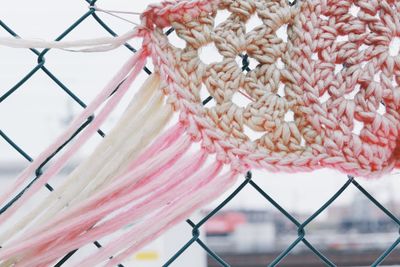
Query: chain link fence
197	227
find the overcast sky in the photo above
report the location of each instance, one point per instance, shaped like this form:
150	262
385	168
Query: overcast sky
36	113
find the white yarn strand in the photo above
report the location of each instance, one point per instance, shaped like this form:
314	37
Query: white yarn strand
92	45
115	12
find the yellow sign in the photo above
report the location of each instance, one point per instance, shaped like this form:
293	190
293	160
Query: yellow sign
147	256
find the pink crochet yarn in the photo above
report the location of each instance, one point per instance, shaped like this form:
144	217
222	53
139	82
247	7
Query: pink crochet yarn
365	89
324	131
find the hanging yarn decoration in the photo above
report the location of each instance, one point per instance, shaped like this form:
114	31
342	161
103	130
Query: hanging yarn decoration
336	74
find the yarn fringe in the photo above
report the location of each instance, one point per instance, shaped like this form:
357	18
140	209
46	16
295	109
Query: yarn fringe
140	175
118	148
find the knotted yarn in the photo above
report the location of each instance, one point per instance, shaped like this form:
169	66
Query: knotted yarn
328	96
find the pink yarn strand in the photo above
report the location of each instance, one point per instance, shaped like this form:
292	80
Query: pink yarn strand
143	188
187	204
93	204
105	93
156	198
81	139
180	188
160	144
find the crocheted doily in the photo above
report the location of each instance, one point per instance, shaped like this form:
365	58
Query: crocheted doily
340	79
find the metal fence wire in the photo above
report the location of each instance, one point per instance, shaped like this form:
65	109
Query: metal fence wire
196	226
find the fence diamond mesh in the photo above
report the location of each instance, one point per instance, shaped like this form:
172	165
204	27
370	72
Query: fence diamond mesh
197	226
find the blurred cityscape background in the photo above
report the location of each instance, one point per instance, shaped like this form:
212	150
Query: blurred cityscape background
349	235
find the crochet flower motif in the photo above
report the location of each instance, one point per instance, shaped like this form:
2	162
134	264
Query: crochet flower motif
340	80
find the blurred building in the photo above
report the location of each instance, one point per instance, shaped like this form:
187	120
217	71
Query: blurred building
359	226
